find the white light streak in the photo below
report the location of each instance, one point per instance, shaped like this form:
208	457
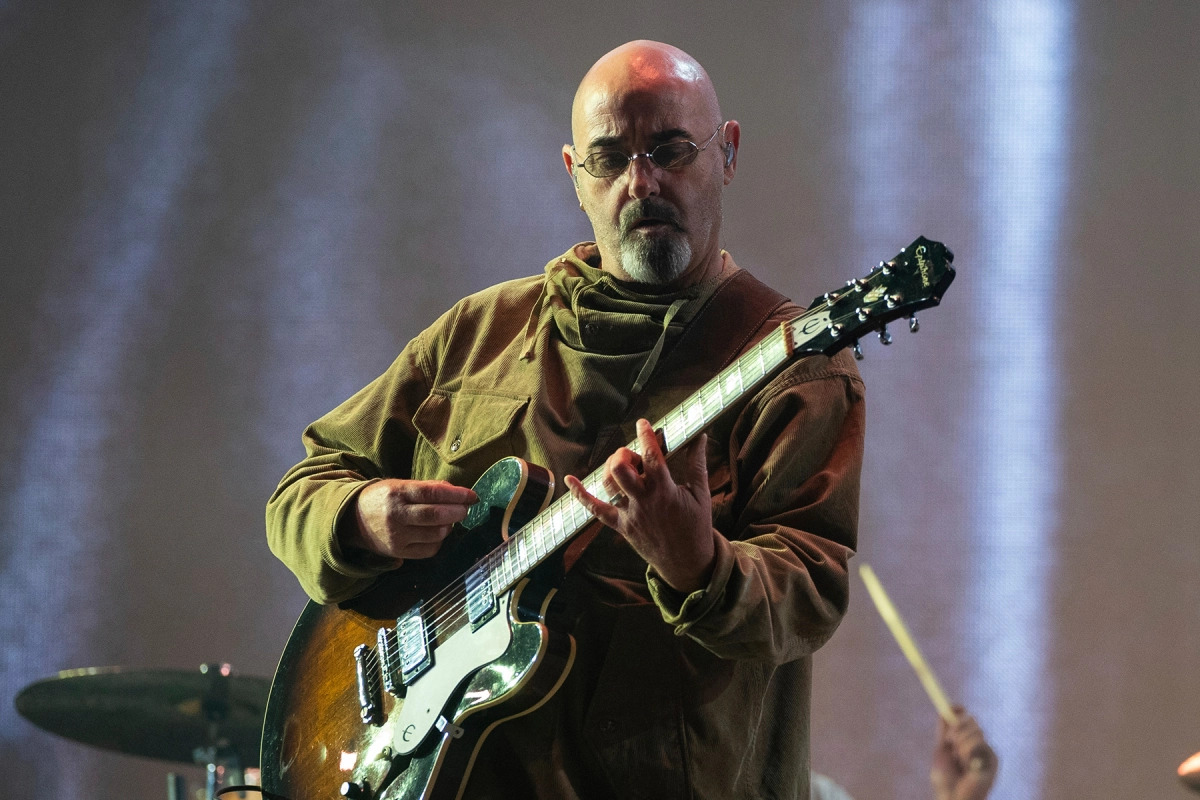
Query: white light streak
1025	65
1004	67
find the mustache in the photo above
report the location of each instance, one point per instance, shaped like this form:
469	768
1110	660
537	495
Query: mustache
650	208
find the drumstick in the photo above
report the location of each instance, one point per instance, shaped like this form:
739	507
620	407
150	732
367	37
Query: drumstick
905	640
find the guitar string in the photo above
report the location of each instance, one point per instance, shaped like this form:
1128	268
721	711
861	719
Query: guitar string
451	601
449	604
570	509
458	597
593	483
455	593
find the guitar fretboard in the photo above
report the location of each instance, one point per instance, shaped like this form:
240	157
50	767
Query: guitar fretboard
566	517
913	280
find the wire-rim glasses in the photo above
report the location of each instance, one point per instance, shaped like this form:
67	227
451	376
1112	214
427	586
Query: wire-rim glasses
670	155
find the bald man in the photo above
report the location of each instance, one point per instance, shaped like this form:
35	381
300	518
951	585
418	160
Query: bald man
692	609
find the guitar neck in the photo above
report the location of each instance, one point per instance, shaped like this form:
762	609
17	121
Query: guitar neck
914	279
565	517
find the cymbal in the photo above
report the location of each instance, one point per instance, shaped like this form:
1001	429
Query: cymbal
156	713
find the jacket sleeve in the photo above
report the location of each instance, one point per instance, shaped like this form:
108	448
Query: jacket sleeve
788	521
367	438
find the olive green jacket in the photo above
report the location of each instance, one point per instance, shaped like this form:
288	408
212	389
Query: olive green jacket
703	696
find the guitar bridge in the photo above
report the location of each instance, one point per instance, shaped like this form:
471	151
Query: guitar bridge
370	698
389	661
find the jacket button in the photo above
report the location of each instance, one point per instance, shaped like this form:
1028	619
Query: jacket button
457	443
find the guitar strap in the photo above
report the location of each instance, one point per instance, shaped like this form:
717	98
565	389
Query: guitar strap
733	317
723	330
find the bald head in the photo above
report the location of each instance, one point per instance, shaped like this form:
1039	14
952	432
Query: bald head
644	71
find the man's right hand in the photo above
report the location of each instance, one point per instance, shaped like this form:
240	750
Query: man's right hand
402	519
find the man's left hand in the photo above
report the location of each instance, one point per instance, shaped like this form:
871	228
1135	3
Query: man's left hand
964	764
669	524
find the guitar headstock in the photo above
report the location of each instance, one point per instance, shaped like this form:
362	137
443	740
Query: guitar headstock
915	279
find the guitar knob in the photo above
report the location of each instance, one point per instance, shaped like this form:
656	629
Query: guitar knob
858	354
354	791
884	336
913	325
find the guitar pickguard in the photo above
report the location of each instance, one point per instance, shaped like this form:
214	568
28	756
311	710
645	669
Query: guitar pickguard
453	662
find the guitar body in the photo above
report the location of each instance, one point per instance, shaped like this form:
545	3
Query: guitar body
421	740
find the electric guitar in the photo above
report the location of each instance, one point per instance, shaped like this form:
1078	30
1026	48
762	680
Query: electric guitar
389	696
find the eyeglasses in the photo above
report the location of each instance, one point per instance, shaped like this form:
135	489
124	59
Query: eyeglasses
672	155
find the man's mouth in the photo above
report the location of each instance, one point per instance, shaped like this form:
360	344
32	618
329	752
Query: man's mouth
652	223
650	216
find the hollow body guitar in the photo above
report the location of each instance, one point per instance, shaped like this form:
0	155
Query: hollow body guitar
341	711
391	695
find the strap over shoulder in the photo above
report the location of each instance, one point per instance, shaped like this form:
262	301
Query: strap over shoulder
734	317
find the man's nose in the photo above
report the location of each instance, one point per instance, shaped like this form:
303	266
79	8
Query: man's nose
643	176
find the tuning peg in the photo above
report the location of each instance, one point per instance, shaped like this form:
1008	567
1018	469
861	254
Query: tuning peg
913	325
858	355
884	336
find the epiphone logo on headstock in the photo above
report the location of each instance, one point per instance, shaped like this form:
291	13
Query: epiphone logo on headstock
924	267
815	324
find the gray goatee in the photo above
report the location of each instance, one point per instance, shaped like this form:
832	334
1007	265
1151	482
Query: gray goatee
653	259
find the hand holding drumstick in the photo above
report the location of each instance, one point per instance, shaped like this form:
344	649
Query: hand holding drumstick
964	764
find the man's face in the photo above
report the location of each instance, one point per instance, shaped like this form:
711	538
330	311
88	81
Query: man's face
652	225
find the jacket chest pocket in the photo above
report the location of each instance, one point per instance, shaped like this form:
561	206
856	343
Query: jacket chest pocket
463	433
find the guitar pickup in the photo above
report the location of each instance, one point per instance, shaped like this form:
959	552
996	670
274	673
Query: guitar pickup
412	645
370	699
481	600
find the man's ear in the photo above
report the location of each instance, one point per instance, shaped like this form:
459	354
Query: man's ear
733	140
569	163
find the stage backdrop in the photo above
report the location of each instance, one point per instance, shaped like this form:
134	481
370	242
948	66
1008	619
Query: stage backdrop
218	219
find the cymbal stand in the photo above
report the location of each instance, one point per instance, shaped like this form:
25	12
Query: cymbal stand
221	767
220	760
176	786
